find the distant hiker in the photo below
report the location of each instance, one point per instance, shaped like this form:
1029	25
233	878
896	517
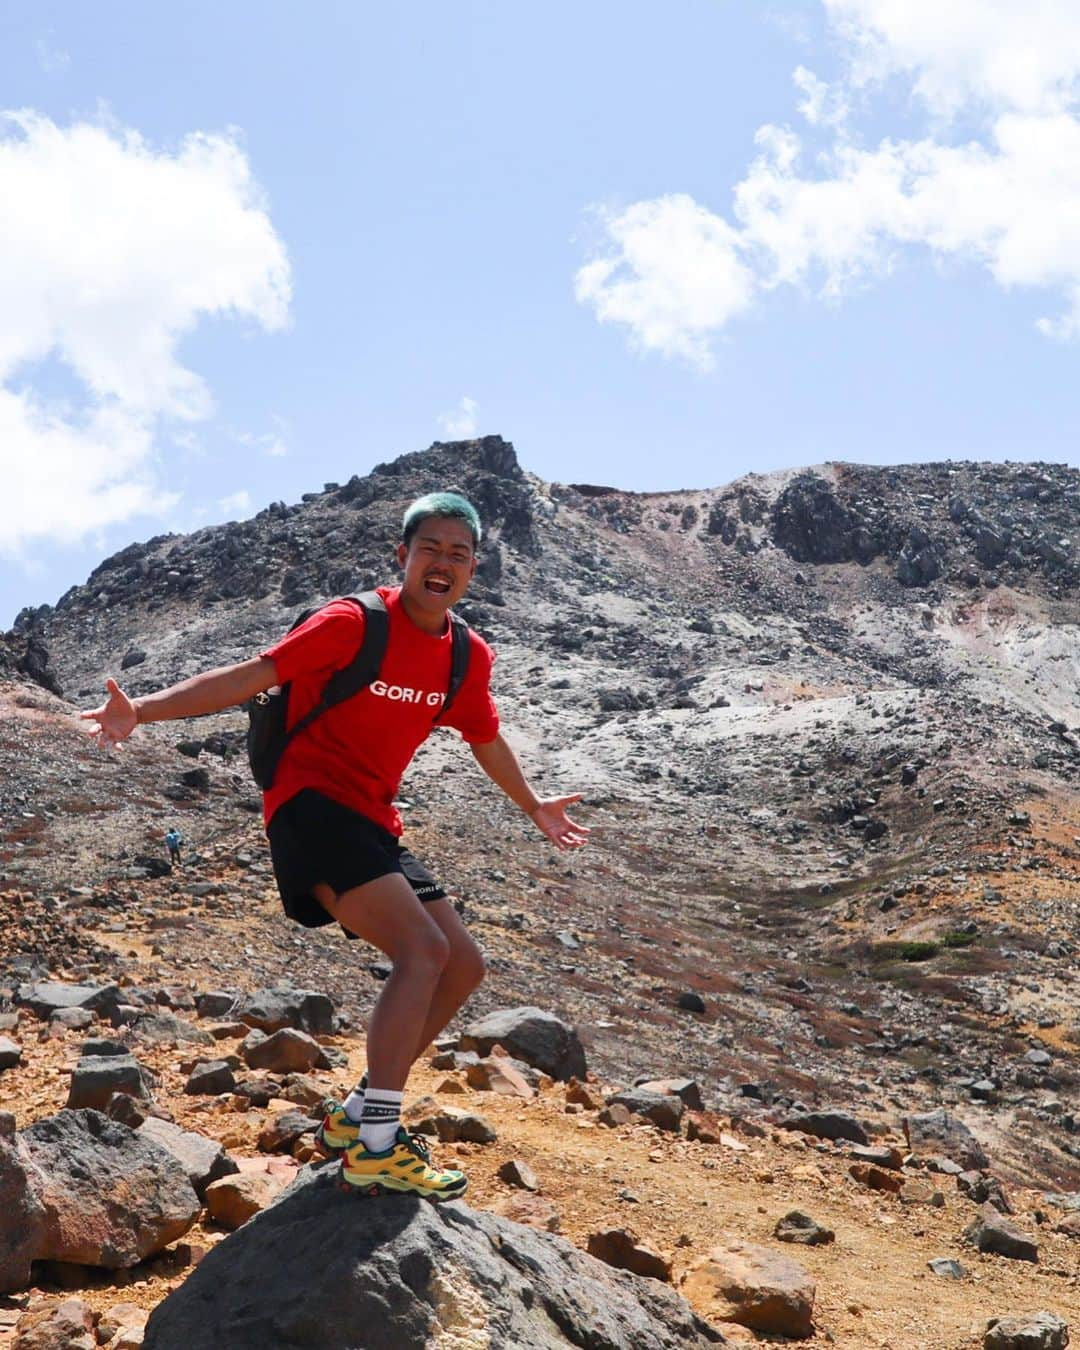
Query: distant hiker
173	840
329	805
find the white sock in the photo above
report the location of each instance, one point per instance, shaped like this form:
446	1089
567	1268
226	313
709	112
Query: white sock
381	1118
353	1105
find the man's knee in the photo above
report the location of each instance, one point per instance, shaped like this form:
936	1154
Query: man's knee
428	949
467	967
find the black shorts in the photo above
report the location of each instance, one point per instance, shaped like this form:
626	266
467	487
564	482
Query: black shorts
313	839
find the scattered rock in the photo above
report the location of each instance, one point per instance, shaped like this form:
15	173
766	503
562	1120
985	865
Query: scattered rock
272	1009
497	1073
947	1268
96	1077
210	1078
796	1226
517	1173
204	1160
537	1037
664	1110
621	1248
232	1200
686	1089
280	1133
286	1051
56	1324
992	1232
754	1286
827	1125
876	1178
452	1126
47	997
942	1133
1040	1331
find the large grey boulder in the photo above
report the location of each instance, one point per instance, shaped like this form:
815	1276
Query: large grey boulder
539	1038
403	1274
112	1197
49	996
22	1215
272	1009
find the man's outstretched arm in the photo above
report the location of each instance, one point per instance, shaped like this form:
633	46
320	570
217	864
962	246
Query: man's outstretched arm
209	692
548	814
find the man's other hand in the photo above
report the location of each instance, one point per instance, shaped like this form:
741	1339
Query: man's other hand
550	818
116	719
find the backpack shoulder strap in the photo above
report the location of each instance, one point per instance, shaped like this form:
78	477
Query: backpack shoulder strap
364	667
460	651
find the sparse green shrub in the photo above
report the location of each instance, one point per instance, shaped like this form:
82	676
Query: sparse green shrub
904	951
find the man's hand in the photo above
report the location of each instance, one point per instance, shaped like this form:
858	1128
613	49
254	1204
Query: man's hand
550	818
116	719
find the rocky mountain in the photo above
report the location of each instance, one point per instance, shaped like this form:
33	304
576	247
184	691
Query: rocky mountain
825	721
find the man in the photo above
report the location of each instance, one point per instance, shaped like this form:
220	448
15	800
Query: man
335	833
173	840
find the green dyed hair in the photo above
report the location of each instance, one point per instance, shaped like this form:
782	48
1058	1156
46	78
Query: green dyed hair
448	505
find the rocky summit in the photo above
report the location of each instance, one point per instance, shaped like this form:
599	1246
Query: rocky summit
818	957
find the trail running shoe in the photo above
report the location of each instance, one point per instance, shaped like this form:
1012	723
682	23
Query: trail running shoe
405	1166
336	1132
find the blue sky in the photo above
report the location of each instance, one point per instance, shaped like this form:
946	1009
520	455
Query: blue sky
564	225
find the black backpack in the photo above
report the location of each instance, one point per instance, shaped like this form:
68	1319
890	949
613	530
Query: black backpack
267	737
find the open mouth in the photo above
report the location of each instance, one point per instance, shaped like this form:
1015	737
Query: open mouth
437	585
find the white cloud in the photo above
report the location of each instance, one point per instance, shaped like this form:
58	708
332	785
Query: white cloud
673	273
461	424
236	505
110	252
1021	54
1006	198
823	104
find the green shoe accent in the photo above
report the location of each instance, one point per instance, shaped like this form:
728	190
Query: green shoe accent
404	1166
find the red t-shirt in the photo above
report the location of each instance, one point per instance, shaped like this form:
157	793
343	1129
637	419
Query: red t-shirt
357	751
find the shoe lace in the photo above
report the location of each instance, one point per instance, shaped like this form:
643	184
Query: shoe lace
419	1146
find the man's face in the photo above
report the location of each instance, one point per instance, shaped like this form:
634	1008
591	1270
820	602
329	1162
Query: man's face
439	562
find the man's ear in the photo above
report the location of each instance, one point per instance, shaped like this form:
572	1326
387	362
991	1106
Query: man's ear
401	553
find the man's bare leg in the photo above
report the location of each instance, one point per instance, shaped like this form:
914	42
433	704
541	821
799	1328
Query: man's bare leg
387	914
464	970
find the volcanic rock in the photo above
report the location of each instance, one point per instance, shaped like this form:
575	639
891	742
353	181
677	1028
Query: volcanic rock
411	1274
537	1037
111	1196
